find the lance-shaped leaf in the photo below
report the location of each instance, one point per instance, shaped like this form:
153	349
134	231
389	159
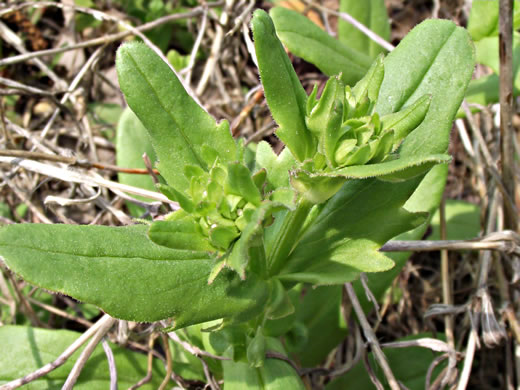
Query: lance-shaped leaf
306	40
372	14
178	126
422	65
344	239
127	275
284	94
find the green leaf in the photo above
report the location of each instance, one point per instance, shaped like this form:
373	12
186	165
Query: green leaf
483	18
345	237
306	40
436	58
425	199
483	91
240	183
407	119
369	85
487	53
279	305
319	311
277	167
318	187
31	348
250	238
409	365
462	221
372	14
256	349
186	203
177	60
178	126
127	275
184	234
274	374
284	94
325	119
132	141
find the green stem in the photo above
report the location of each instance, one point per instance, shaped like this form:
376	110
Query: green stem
288	236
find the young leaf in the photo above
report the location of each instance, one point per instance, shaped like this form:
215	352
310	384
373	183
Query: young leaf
26	349
127	275
325	119
441	68
178	126
251	237
306	40
180	234
372	14
370	84
277	167
240	183
407	119
284	93
256	349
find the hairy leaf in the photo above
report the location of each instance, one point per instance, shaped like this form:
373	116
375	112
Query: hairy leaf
126	274
284	94
421	65
178	126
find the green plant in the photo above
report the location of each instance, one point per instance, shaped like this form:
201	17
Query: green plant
237	254
351	54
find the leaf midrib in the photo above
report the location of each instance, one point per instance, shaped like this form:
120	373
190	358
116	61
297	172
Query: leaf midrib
427	69
177	127
56	252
